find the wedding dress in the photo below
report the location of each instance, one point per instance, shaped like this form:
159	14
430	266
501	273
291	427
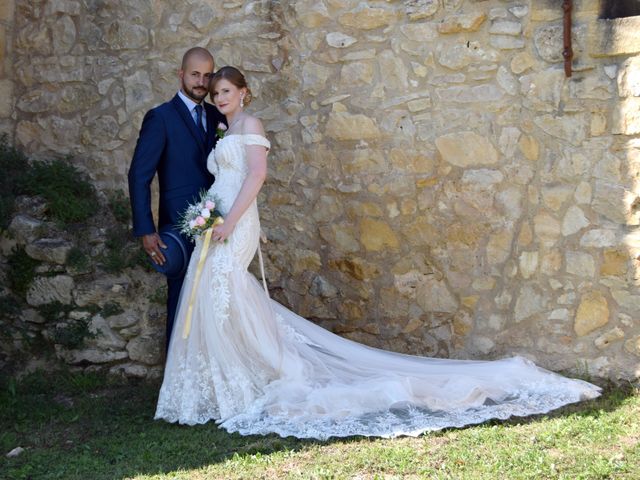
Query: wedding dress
256	368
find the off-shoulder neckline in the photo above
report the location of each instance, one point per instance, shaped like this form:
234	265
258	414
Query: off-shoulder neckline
244	135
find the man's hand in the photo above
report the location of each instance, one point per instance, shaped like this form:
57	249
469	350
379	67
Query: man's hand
152	244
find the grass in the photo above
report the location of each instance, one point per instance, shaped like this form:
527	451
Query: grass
85	426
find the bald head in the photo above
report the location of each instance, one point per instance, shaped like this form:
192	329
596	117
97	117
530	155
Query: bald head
196	53
196	70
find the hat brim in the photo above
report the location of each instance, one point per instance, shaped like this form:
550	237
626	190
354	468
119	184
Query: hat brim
176	255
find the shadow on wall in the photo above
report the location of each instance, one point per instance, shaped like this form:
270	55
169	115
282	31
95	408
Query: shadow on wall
619	8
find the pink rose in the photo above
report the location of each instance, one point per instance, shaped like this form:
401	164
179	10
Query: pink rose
210	205
200	221
222	126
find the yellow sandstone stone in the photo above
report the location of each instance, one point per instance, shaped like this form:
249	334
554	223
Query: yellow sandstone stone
376	235
615	263
593	313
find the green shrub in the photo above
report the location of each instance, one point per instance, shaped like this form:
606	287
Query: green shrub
72	334
54	311
14	167
22	271
159	296
9	306
77	259
69	195
120	207
110	309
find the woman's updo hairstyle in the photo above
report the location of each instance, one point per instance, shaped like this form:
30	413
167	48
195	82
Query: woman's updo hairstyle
233	75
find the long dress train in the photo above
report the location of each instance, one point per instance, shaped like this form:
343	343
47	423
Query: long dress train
255	367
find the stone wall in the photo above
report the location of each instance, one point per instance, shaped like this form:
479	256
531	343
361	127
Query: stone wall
436	184
6	67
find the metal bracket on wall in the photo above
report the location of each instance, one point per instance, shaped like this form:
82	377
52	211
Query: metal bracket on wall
567	53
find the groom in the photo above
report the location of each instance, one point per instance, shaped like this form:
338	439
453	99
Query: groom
174	142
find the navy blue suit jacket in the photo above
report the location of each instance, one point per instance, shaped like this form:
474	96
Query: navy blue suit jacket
171	145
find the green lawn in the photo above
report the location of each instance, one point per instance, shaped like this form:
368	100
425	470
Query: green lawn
85	427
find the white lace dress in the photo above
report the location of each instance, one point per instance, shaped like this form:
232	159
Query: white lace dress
256	368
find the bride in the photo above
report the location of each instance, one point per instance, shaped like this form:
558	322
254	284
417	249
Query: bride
255	367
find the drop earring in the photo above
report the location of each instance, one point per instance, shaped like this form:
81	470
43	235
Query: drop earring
242	101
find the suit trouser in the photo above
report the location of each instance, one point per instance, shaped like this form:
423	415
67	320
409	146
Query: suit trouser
174	285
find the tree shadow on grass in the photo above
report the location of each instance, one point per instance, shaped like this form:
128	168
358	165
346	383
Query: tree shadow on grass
97	430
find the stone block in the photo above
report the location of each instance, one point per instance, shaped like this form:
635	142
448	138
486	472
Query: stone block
505	27
52	250
506	42
569	127
469	22
340	40
103	336
606	339
311	13
366	17
376	235
574	221
610	38
130	370
528	264
90	355
530	302
466	149
346	126
45	290
633	345
580	264
433	295
25	229
6	98
615	263
626	117
419	9
101	290
63	33
145	349
521	62
593	313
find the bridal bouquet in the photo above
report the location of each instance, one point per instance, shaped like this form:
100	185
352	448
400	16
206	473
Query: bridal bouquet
200	216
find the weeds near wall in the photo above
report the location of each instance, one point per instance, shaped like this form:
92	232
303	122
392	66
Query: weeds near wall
69	195
13	165
22	271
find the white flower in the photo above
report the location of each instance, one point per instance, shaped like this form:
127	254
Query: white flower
205	212
192	224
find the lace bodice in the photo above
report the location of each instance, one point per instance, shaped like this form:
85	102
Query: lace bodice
228	162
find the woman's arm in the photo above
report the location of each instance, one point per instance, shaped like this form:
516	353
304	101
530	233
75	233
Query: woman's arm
257	165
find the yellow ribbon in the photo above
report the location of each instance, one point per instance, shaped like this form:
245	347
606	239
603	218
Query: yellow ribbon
196	280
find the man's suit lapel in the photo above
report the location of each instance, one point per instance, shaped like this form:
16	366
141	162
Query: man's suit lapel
182	110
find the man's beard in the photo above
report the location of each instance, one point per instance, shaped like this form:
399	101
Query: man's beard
195	95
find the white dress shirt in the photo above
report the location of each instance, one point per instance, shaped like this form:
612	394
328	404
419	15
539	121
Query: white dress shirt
191	106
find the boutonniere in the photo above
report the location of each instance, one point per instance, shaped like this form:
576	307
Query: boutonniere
221	130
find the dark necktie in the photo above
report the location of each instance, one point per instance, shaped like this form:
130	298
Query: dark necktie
199	121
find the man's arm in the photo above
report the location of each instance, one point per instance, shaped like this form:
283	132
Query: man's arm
146	158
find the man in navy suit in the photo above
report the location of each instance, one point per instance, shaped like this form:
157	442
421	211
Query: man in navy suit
174	142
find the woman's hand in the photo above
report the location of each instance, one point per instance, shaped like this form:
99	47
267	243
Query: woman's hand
221	232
